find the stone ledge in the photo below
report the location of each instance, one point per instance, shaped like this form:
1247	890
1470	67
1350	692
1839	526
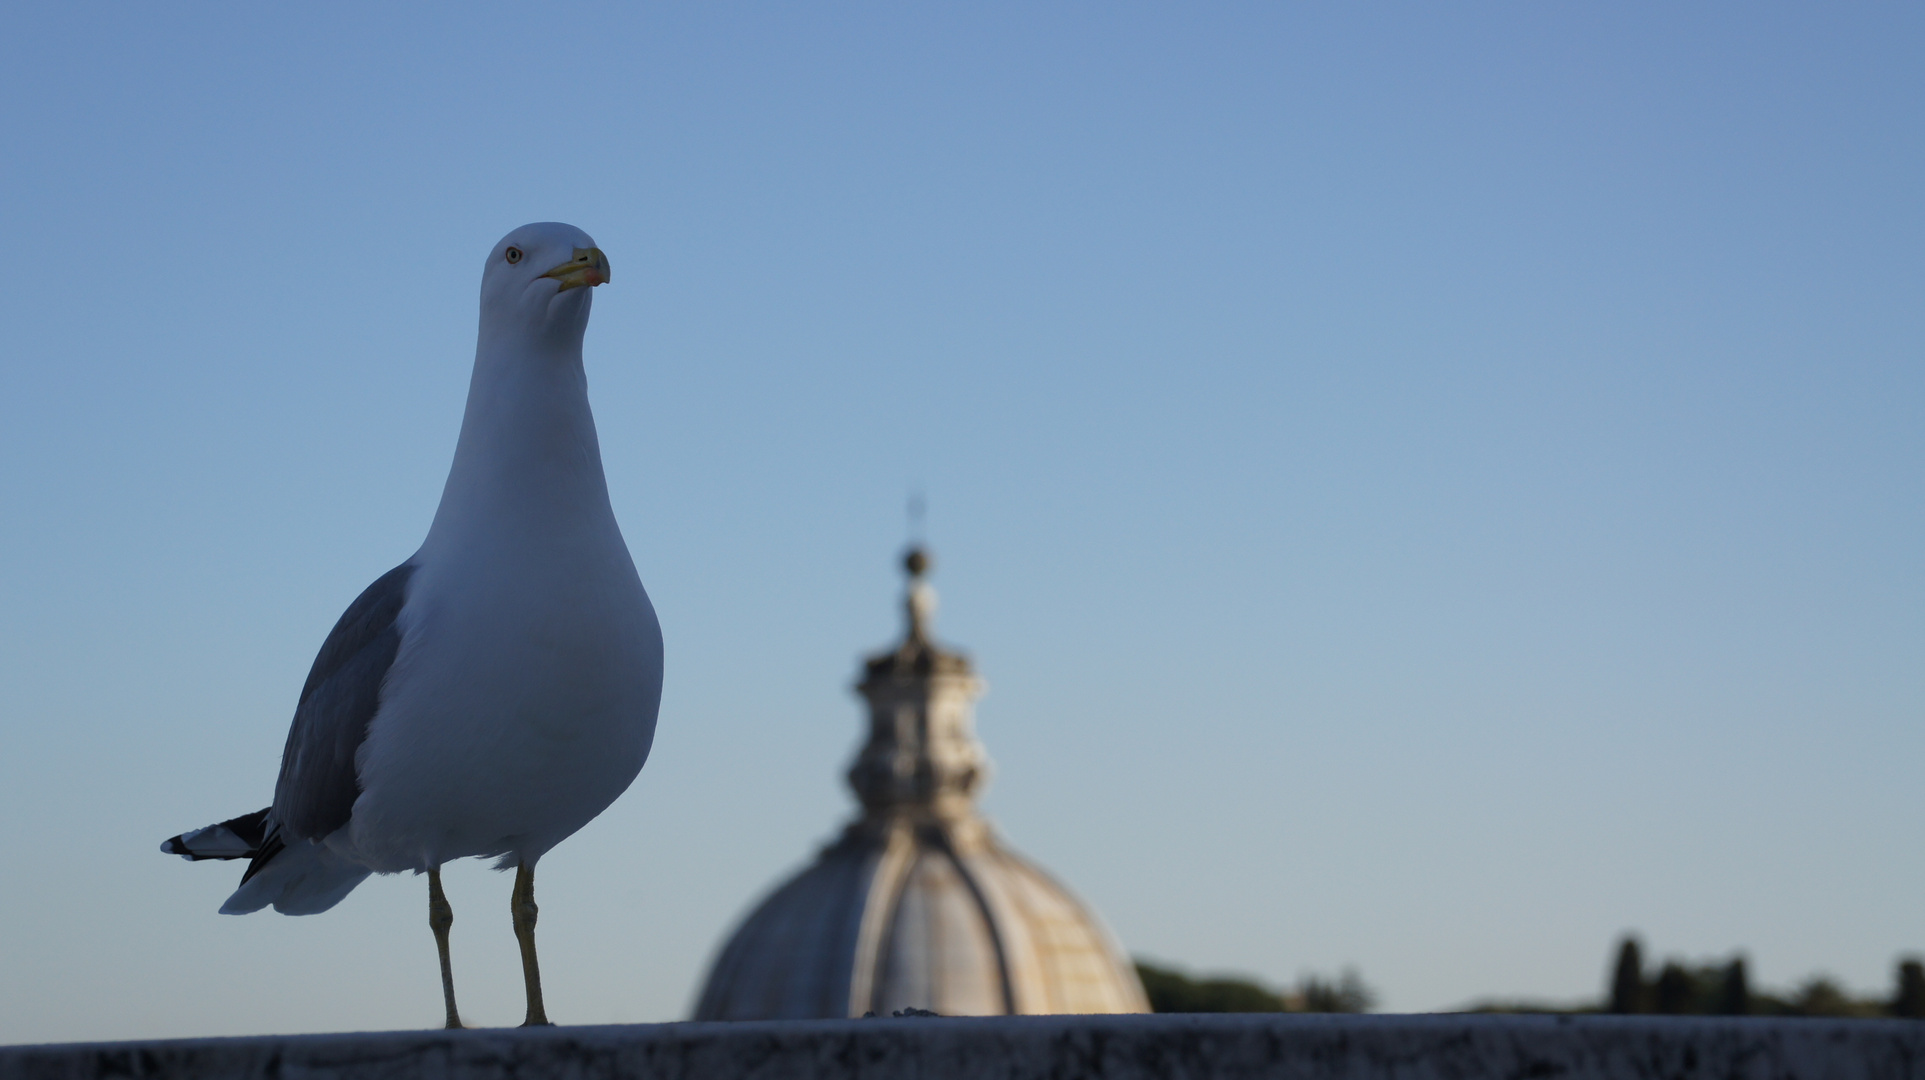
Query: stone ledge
1216	1047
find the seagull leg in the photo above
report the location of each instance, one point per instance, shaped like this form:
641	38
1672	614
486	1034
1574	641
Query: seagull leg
440	918
523	903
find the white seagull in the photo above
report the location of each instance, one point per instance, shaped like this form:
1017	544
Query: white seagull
497	690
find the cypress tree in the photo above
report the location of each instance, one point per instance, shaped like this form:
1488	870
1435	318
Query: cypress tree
1734	997
1627	982
1909	1001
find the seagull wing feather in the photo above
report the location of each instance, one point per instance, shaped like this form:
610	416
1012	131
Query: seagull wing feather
316	792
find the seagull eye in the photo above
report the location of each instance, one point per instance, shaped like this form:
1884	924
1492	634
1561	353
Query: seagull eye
514	255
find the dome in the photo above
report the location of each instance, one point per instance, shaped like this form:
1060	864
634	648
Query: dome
919	904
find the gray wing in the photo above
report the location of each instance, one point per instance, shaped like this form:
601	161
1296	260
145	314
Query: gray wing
318	786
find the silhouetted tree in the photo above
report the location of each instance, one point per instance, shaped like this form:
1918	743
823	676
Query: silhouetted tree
1676	993
1734	997
1909	1000
1822	997
1175	992
1627	981
1346	995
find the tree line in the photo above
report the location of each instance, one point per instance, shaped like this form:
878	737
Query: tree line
1173	991
1675	988
1724	989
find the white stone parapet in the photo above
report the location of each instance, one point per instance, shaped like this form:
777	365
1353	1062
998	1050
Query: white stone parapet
1214	1047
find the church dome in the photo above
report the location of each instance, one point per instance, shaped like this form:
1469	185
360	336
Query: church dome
919	904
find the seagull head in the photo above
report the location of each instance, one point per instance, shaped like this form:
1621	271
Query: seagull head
538	280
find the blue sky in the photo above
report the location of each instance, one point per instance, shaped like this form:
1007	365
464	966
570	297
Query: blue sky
1429	490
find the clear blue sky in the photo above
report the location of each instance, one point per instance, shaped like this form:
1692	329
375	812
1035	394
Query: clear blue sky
1429	490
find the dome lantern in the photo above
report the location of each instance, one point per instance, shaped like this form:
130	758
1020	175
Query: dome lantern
922	759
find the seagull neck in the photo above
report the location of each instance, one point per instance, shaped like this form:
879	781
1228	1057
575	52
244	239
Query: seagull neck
528	449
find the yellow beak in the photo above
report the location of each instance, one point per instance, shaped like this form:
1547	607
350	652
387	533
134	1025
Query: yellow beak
588	267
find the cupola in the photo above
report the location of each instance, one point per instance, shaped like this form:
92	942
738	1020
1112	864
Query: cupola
919	903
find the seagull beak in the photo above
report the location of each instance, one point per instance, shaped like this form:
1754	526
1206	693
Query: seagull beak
588	267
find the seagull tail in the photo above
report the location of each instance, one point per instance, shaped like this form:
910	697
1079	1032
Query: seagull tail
301	879
305	879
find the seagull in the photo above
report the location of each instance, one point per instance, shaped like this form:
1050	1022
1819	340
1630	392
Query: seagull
497	690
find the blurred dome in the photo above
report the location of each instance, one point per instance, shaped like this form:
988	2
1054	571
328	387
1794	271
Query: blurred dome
919	904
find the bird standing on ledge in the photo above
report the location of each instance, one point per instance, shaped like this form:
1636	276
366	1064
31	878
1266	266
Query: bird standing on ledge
497	690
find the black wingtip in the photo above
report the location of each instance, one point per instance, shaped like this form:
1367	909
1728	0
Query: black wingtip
243	837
